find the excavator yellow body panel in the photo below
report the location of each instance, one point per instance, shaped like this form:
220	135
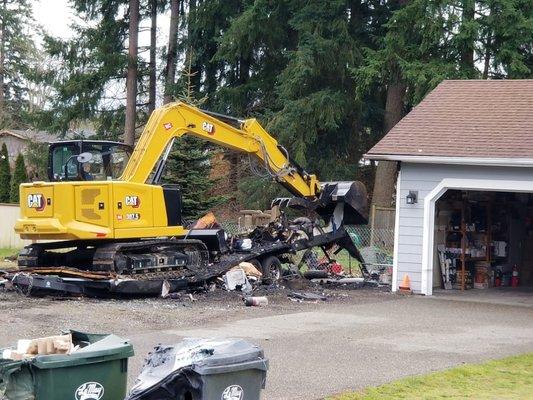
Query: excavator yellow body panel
94	210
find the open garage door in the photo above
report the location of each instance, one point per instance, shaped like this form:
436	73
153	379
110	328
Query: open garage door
483	239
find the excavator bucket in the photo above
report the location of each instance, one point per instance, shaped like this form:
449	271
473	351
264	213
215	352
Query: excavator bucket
345	202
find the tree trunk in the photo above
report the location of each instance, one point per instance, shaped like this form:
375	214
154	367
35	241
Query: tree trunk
195	63
488	48
486	62
172	51
2	63
153	46
385	179
467	47
131	79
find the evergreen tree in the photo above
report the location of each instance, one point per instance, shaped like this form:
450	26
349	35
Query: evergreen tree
318	114
131	80
507	30
17	53
298	80
5	175
94	65
254	58
189	167
19	176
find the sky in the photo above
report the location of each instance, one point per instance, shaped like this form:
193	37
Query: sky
55	16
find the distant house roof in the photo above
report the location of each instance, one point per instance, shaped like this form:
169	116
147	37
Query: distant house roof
45	137
38	136
464	120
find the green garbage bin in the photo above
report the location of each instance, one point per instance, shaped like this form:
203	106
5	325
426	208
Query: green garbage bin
97	371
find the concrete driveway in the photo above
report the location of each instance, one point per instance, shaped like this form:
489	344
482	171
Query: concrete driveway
359	338
332	348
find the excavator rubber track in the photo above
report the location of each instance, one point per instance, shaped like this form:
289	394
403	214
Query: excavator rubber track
142	259
152	257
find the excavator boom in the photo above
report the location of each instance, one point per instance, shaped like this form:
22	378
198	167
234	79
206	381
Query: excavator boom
245	136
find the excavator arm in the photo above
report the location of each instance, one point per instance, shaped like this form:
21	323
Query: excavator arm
346	201
246	136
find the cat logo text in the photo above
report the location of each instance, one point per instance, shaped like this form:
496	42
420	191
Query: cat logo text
36	201
133	201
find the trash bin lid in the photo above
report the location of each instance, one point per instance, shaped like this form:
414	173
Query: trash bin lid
226	353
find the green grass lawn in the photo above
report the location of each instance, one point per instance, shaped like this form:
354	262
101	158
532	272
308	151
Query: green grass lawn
7	253
509	378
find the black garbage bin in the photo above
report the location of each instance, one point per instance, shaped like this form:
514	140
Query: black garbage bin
203	369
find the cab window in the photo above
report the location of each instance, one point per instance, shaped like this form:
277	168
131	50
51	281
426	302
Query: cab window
101	161
60	162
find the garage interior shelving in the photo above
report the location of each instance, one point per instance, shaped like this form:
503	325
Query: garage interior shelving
473	244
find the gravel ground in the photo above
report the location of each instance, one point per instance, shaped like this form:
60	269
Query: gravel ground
355	339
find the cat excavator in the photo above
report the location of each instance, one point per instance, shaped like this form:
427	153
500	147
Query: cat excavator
104	207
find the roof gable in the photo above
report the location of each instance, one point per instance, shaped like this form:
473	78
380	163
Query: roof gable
480	119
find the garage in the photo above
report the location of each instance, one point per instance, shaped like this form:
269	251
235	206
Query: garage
464	194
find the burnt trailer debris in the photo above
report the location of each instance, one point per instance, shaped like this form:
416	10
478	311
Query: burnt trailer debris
267	247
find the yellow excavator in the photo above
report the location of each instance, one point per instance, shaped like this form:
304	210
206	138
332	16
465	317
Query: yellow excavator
105	209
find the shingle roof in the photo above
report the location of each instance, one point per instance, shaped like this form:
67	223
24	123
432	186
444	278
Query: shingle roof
46	137
468	118
37	136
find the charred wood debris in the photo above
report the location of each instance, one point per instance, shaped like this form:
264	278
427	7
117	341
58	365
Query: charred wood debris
280	255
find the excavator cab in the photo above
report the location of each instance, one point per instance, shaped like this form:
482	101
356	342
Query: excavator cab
87	160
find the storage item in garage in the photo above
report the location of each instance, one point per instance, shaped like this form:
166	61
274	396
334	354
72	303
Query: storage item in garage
483	274
469	281
98	367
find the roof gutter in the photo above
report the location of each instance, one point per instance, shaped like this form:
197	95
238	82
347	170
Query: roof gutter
488	162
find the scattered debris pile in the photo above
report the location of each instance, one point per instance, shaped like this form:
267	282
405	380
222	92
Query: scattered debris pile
280	249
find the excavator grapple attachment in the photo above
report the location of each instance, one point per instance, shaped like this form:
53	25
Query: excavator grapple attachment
348	197
344	202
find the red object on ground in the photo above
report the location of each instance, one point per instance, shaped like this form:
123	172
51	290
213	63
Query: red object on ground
514	279
336	268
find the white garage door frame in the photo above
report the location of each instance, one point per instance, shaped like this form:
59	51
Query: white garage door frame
428	241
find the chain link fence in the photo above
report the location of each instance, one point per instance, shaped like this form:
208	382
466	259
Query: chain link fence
375	244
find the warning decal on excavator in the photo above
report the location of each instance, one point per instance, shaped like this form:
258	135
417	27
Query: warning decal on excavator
133	216
36	201
167	125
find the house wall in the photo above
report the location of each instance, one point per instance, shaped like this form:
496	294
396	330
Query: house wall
14	145
424	178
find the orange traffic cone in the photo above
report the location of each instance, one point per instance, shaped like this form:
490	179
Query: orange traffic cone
405	286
